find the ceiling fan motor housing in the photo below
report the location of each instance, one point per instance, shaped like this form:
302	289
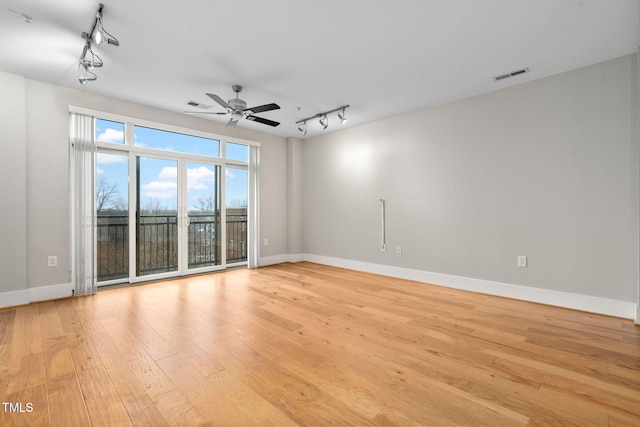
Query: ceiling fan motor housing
237	104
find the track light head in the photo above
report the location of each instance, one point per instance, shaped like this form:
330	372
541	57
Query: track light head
302	127
342	116
84	75
98	37
324	121
99	34
90	60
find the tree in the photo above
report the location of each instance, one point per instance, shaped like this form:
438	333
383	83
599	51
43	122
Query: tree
205	203
153	206
237	203
106	193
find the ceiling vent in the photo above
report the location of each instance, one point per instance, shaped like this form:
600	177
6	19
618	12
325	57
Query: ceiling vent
511	74
198	105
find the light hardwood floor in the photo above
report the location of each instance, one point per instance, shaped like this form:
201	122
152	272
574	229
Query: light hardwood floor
303	344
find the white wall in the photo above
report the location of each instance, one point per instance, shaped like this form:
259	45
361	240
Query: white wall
295	193
35	223
546	169
13	204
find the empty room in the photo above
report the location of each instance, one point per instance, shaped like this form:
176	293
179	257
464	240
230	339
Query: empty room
336	213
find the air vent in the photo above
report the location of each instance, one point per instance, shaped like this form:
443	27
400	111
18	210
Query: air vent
511	74
198	105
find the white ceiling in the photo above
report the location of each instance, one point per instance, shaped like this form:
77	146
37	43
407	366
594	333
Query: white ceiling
383	57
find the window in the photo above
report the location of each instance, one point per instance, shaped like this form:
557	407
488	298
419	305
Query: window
237	152
167	204
173	141
109	131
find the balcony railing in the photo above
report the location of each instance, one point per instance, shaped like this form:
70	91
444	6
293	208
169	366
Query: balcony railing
157	246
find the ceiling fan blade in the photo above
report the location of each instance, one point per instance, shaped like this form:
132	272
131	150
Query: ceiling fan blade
262	108
219	100
232	122
205	112
263	121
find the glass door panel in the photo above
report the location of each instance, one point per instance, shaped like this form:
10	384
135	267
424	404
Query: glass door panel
236	196
203	216
112	214
156	216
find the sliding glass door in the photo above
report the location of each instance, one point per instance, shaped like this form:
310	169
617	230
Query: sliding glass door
156	231
112	215
168	204
178	222
203	216
236	191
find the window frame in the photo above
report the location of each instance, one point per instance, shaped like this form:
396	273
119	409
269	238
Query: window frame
130	150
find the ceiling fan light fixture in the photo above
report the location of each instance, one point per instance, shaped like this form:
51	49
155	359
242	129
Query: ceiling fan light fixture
237	109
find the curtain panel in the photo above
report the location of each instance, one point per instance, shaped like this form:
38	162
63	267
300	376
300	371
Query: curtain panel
83	217
253	231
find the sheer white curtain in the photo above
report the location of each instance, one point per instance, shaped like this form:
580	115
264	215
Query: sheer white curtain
83	216
254	207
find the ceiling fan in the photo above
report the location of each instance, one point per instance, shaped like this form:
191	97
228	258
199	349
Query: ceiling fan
237	108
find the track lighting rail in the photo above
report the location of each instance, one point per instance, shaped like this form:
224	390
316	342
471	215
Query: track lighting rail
320	115
323	120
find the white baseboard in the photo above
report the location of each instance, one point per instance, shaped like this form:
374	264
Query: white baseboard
592	304
40	293
581	302
279	259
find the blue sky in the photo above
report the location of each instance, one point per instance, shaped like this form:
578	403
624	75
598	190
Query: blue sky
159	176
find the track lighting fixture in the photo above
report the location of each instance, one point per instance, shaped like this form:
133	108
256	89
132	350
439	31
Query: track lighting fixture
85	75
99	34
323	119
88	59
324	122
342	117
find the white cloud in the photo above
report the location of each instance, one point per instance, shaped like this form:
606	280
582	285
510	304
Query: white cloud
228	174
111	135
165	186
168	173
198	178
160	189
105	159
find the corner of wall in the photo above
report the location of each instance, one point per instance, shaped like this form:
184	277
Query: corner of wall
295	231
638	163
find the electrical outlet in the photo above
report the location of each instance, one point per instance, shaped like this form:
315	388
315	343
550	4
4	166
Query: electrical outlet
266	242
522	261
52	261
399	249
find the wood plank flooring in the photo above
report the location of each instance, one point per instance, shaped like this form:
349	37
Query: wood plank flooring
303	344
